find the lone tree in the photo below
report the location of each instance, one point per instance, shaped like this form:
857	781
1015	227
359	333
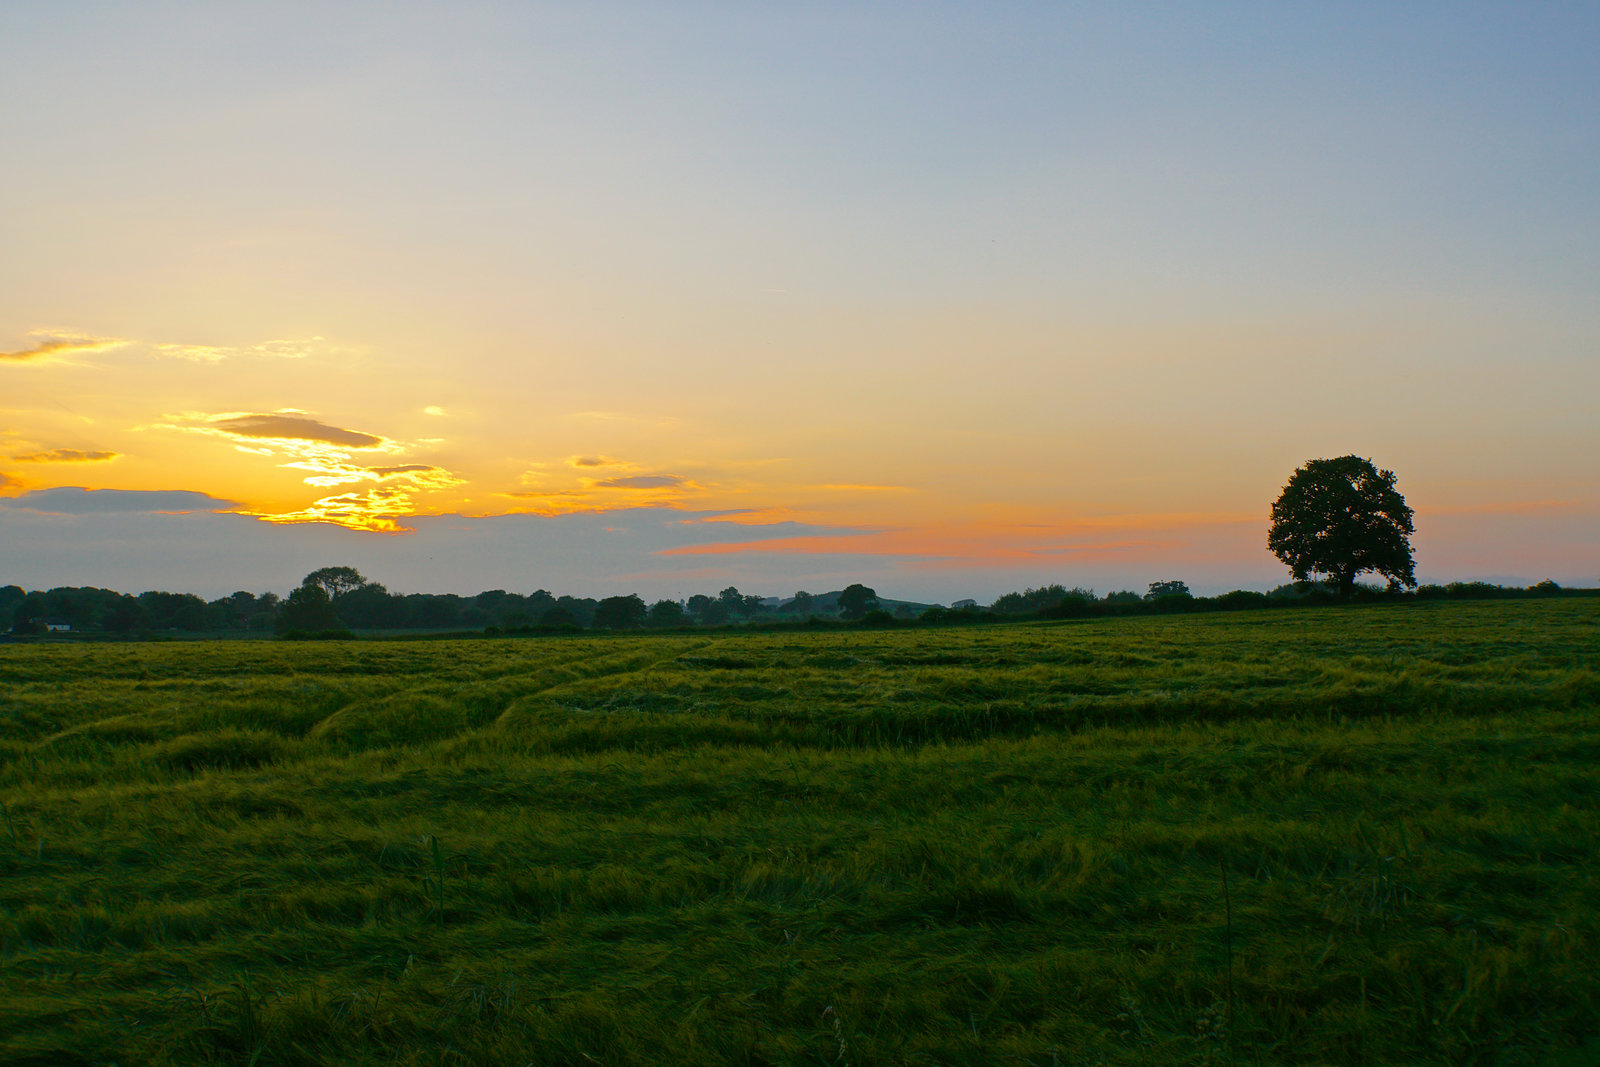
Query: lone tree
1340	517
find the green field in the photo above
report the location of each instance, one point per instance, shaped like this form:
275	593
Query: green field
1351	836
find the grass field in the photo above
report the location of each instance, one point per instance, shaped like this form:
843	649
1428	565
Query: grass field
1315	837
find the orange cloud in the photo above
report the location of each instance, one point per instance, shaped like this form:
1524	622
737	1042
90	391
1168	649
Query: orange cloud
67	455
54	344
643	481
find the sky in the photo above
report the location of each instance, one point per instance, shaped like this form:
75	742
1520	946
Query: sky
948	299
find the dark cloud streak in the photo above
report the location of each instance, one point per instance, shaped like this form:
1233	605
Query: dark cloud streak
295	427
642	481
67	455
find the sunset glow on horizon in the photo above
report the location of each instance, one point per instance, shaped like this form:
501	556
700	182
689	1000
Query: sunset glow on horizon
660	298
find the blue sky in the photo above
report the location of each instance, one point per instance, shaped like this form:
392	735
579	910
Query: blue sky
988	296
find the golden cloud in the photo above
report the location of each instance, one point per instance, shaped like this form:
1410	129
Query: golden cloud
380	509
53	344
643	481
64	343
286	349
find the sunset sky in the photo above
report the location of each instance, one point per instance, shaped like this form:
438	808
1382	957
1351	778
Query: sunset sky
949	299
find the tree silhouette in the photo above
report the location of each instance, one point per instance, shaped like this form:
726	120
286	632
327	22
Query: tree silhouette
857	600
667	613
307	608
1340	517
335	580
620	613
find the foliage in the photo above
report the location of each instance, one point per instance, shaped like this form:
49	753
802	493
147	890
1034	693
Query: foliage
1169	588
665	614
335	581
309	609
856	600
620	613
1031	601
1342	517
97	613
1341	837
11	598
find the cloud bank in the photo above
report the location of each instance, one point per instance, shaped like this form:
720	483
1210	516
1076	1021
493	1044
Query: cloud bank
75	500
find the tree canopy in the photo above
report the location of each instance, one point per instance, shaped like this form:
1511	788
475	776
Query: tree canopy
620	613
1342	517
856	600
335	580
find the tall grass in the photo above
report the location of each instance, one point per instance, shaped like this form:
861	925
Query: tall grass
1344	836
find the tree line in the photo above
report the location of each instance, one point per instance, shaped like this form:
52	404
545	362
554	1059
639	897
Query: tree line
338	599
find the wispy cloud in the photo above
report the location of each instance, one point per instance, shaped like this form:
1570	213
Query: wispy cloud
7	483
67	455
215	352
642	481
284	349
62	344
53	344
404	468
594	461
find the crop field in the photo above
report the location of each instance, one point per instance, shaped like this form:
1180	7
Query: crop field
1322	836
